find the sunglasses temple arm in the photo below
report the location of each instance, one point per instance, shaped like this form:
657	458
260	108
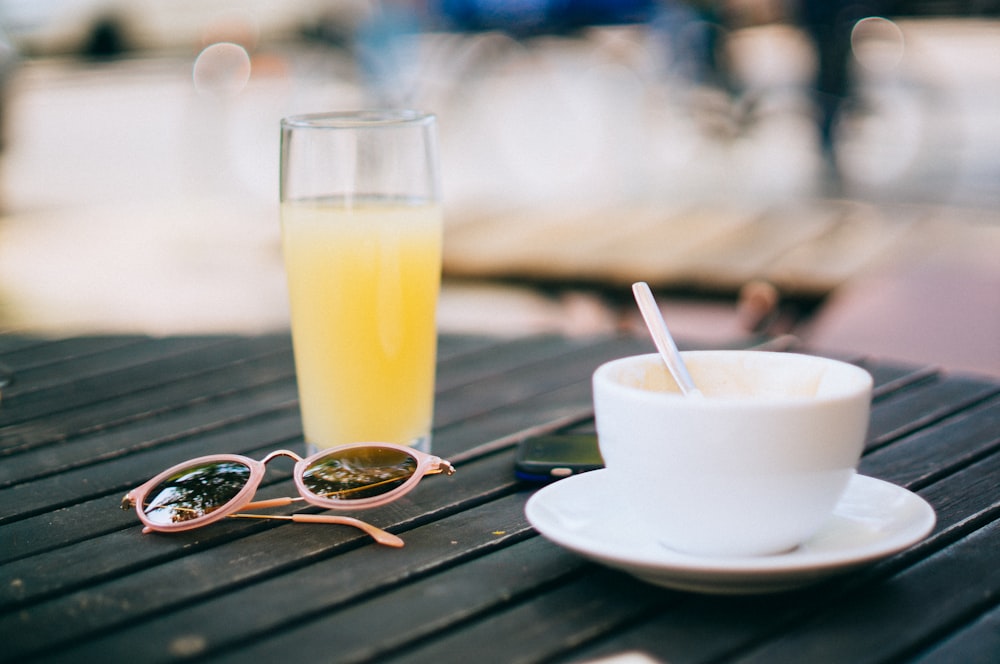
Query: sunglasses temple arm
377	534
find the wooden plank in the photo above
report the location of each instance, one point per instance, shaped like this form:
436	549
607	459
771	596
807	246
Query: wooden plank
507	423
881	622
452	346
15	341
26	354
549	624
535	379
235	579
61	527
964	500
888	376
96	378
216	381
892	620
504	421
376	624
707	628
570	630
120	475
976	643
61	366
112	555
83	523
924	403
169	439
99	590
150	428
702	632
115	352
922	457
499	359
505	426
110	425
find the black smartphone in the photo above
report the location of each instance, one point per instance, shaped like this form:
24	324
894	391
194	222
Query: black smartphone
554	456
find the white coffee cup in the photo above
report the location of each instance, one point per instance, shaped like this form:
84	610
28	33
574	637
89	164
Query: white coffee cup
754	468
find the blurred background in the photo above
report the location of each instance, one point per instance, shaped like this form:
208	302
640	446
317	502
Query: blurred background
824	169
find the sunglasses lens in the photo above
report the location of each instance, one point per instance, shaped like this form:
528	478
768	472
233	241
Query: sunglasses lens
195	491
361	472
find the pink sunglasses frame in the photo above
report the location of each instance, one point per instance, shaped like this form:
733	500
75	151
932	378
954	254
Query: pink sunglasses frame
427	464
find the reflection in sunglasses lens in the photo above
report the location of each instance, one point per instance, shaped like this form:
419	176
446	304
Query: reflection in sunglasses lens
358	473
195	491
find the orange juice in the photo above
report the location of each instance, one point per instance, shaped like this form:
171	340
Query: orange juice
363	283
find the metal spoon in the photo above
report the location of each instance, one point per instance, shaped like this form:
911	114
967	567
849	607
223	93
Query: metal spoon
664	342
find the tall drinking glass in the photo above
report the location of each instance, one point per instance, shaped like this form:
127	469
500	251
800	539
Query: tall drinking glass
361	231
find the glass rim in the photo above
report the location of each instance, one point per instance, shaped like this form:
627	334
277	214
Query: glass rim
359	119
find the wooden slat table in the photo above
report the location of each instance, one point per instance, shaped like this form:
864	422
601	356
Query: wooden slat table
89	418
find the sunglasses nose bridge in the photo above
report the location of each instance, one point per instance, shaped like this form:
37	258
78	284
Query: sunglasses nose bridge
280	453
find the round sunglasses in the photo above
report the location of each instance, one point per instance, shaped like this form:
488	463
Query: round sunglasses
348	477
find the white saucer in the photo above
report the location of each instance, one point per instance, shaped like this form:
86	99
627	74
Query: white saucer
873	520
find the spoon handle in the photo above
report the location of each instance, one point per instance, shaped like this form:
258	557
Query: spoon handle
662	339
